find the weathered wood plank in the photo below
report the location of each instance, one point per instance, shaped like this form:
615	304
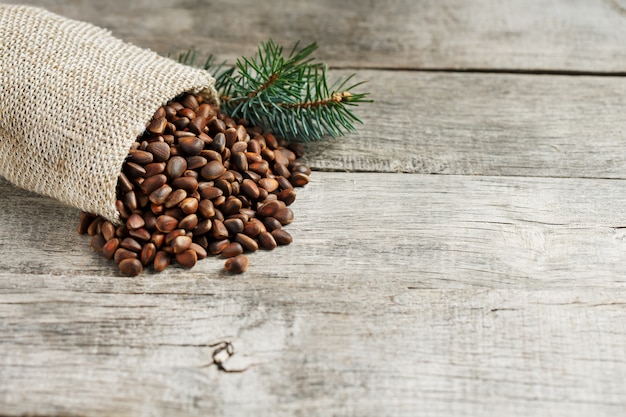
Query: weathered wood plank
514	35
99	346
485	124
425	231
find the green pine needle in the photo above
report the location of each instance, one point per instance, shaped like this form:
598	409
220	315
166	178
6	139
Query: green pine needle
287	94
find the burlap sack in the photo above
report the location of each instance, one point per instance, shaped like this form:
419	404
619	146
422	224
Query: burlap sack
73	99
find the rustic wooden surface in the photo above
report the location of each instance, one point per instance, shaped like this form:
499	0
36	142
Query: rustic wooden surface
497	288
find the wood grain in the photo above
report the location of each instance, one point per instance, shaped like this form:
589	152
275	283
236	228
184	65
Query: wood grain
497	289
481	124
485	124
561	35
460	295
437	232
98	347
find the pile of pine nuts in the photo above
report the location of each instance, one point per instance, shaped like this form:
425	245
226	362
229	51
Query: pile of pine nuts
199	183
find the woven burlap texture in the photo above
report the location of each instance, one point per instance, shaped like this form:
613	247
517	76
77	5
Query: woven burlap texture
73	99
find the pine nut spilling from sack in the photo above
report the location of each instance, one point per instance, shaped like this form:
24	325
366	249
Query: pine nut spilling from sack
197	183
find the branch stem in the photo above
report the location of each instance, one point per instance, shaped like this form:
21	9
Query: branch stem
334	98
271	80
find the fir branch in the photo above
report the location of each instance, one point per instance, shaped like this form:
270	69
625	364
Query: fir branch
288	95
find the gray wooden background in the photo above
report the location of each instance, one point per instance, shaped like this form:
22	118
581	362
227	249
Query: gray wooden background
496	288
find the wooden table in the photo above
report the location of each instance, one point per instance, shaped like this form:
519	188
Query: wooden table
463	254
